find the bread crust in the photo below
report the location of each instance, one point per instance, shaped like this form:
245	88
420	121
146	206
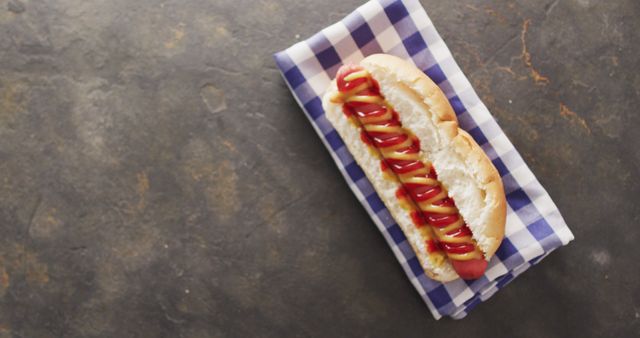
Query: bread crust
494	190
439	111
462	143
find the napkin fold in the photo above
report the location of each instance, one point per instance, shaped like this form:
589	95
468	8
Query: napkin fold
534	226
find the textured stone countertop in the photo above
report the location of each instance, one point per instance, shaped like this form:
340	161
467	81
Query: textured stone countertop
158	179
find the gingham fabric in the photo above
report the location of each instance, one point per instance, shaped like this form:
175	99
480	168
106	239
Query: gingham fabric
402	28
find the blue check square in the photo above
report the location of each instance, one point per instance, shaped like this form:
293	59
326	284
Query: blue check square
328	58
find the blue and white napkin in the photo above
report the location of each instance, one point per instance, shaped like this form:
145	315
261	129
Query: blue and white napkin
534	225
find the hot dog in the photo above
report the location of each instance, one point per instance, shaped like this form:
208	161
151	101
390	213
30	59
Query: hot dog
437	183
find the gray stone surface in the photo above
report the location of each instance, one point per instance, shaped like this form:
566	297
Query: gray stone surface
158	179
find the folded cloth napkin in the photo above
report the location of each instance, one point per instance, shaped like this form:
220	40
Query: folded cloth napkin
402	28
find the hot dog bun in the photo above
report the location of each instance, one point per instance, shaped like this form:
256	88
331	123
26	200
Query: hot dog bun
462	167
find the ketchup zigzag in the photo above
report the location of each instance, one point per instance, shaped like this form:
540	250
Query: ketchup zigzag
399	150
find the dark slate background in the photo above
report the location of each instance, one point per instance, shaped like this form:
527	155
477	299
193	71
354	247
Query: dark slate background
158	179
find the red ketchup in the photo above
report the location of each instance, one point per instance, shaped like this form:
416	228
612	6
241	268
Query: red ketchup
400	152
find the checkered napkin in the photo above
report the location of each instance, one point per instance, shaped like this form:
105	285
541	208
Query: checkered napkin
402	28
